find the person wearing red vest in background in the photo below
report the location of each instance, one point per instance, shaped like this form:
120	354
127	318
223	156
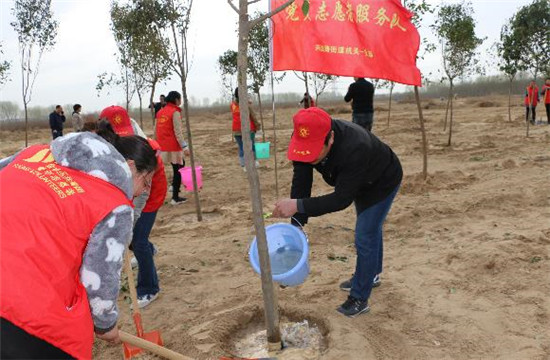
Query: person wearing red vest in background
236	127
66	218
545	93
531	101
145	210
169	134
307	101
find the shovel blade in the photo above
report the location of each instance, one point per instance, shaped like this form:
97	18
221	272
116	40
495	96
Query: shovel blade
131	350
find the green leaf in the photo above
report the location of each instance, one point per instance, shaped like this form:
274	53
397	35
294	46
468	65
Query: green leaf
305	7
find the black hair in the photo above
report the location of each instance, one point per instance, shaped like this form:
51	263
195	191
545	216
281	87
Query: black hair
89	126
130	147
172	97
236	94
327	138
162	95
57	106
76	107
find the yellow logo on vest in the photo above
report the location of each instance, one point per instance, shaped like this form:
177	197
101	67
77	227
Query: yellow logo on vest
44	155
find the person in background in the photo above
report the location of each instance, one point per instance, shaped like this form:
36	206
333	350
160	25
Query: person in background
66	220
159	105
361	95
363	171
146	207
531	101
169	134
307	101
78	122
237	128
57	118
545	94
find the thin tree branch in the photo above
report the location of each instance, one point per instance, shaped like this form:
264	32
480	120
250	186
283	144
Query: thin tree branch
233	6
253	2
269	14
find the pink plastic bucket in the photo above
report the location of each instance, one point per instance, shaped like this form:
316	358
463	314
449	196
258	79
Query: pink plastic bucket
187	177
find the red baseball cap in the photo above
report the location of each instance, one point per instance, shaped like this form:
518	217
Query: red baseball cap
311	127
119	119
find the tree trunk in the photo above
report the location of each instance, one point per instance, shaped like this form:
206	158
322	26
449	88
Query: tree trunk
451	120
389	106
510	101
424	140
151	97
127	91
140	109
305	80
261	116
447	110
268	289
191	152
26	124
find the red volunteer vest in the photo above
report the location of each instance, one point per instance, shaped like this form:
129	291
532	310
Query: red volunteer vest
48	212
531	96
546	92
159	185
165	128
236	111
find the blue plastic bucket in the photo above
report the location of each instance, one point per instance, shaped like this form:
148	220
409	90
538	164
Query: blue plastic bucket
288	254
262	150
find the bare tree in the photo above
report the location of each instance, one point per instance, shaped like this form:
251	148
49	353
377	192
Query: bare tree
270	301
36	31
178	22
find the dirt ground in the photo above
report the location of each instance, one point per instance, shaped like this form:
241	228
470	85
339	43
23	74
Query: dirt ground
466	268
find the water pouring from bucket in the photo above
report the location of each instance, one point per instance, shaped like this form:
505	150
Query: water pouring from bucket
288	254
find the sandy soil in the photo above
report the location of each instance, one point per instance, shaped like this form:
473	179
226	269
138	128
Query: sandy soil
466	252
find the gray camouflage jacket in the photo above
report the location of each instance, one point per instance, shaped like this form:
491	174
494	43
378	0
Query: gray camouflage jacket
102	261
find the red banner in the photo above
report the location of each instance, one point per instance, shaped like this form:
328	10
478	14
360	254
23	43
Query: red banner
361	38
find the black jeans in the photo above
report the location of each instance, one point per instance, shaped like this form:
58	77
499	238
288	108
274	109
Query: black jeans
364	120
176	180
19	344
56	133
547	112
530	109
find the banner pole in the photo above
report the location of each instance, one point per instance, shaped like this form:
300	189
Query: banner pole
273	106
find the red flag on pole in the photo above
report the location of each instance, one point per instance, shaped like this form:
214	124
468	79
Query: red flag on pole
362	38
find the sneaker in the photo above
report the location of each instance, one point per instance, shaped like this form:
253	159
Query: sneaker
179	200
244	168
376	282
133	262
353	307
257	164
346	285
145	300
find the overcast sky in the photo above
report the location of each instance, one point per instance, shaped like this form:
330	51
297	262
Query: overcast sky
85	48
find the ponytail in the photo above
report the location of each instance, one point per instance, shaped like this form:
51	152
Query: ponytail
130	147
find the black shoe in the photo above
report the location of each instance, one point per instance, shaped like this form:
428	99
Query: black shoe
178	200
353	307
346	285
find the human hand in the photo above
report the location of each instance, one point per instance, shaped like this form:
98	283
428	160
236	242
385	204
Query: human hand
186	152
110	336
285	208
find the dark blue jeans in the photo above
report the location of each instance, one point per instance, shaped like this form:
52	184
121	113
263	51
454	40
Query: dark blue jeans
369	246
239	140
57	133
148	282
364	120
